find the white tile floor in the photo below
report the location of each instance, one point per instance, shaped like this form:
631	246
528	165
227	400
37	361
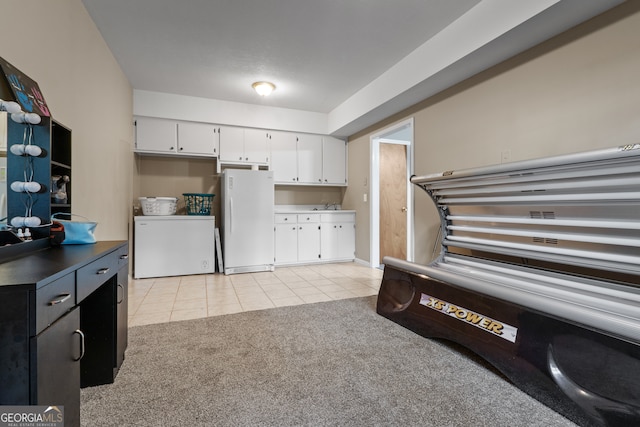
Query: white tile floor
168	299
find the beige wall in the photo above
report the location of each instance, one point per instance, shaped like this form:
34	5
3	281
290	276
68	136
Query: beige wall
359	172
57	44
171	177
579	91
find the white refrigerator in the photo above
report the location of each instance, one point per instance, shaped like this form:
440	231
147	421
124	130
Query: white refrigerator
247	220
173	245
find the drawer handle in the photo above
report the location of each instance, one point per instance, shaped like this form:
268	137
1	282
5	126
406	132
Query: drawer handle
79	332
104	270
125	256
121	287
60	299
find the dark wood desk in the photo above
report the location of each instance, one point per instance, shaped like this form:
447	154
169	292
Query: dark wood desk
63	323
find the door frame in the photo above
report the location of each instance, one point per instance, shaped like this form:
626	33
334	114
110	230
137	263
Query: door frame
386	136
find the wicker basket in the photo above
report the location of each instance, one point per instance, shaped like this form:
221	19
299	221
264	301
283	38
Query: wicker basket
198	203
158	205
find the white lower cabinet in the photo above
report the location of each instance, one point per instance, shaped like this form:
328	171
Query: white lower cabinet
286	241
314	237
338	236
308	237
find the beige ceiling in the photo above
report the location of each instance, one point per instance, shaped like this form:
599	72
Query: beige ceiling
325	56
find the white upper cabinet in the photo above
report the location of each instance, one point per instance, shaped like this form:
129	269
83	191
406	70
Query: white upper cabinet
300	159
334	161
309	159
162	136
156	135
243	145
284	157
256	146
198	138
231	144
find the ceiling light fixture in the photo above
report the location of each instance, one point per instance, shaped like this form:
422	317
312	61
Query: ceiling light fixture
263	88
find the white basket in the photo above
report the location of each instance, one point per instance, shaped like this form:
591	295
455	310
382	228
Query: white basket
158	205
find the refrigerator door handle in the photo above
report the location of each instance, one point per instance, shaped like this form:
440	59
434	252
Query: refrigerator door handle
231	213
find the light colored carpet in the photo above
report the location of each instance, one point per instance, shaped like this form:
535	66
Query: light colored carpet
327	364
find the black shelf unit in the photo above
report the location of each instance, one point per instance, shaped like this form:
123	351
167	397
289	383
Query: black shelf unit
60	164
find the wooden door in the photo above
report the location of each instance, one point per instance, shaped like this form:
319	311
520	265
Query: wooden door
393	201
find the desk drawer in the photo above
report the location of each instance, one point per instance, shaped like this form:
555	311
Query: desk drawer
54	300
123	256
93	275
285	219
308	218
338	217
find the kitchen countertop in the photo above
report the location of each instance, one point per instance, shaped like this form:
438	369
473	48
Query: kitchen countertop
317	211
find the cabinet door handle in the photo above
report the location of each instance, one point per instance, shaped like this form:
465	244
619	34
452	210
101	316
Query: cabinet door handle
60	299
104	270
125	256
79	332
121	287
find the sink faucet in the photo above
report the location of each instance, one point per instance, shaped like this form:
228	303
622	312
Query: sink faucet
327	206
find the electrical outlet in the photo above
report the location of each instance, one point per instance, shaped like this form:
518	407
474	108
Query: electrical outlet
205	264
364	197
